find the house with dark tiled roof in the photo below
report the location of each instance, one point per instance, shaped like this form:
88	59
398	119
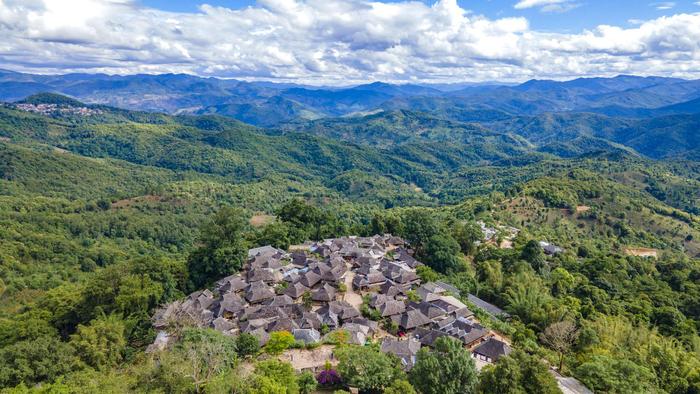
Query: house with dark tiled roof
325	293
405	349
431	311
296	290
232	283
280	300
310	320
388	288
309	278
258	292
307	335
428	336
382	268
411	319
491	350
391	308
491	309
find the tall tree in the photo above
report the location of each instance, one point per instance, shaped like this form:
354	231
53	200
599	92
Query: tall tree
561	337
533	254
518	373
440	253
446	369
223	249
367	368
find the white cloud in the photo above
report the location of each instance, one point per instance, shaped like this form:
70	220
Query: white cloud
547	5
523	4
664	5
333	42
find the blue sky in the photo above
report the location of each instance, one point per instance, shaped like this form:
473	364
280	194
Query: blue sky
341	42
586	14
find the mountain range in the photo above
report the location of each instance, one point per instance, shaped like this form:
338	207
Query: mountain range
268	104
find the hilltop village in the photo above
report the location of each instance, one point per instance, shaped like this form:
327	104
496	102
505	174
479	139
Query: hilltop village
367	287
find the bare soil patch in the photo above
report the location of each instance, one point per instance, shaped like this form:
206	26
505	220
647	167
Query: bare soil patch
259	220
642	252
314	359
127	202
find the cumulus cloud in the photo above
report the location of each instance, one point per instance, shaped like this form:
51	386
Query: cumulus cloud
332	42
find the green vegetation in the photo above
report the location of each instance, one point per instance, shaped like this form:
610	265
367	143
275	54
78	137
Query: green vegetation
105	218
447	368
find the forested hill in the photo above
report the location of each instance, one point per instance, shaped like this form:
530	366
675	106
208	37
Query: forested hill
106	214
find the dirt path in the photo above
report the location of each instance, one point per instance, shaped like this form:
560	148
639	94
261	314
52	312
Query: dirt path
351	296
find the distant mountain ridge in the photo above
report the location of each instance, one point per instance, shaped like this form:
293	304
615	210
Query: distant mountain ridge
269	104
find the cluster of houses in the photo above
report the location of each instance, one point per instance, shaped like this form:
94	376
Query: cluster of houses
323	287
55	109
501	236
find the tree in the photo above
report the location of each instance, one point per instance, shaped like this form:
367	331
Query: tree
100	344
426	274
280	372
307	382
527	298
279	342
275	234
517	373
606	374
419	225
446	369
223	248
307	300
400	387
562	281
533	254
467	235
247	345
440	253
42	359
304	220
561	337
199	357
367	368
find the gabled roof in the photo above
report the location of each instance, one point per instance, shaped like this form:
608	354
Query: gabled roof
389	289
412	319
324	293
309	279
391	308
296	290
428	336
232	283
307	335
299	259
405	276
258	274
334	274
263	250
406	349
262	335
259	292
310	320
489	308
448	287
378	299
223	325
282	324
373	325
493	349
429	310
280	300
375	277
